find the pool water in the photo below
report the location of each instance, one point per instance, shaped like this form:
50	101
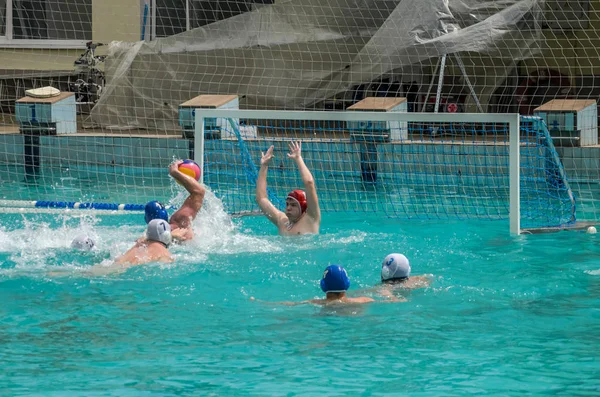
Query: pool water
504	315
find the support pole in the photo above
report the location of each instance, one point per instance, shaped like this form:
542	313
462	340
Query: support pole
463	70
31	151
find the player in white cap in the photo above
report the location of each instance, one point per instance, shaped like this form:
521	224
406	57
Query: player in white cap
395	274
83	243
335	284
154	248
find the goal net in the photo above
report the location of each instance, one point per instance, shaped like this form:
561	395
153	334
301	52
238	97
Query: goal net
421	166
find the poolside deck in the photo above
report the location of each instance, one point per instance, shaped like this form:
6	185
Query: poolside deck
8	126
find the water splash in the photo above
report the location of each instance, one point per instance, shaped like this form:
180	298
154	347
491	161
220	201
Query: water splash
42	242
216	231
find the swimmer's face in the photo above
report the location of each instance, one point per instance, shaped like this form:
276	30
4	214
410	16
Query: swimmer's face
292	209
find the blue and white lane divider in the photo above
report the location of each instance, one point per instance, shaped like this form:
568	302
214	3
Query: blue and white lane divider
52	207
15	204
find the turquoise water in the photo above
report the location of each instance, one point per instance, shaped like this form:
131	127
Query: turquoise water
504	315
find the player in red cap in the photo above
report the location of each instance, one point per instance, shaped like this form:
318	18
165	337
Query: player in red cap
302	214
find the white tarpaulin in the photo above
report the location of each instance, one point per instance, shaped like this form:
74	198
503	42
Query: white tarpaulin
294	54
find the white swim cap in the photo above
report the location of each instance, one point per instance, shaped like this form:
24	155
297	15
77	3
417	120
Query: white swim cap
83	243
395	267
159	230
591	230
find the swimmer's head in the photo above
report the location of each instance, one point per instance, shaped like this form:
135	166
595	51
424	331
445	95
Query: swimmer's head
155	210
83	243
591	230
335	279
395	267
295	199
159	230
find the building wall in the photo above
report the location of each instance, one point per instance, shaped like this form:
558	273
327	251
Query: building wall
37	59
112	20
573	53
116	20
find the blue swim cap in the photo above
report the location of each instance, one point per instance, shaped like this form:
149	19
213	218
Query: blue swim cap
335	279
155	210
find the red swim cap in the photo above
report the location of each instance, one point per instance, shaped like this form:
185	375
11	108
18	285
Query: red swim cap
300	197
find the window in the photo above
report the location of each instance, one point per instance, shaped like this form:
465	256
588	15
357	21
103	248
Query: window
2	18
170	17
561	15
177	16
44	23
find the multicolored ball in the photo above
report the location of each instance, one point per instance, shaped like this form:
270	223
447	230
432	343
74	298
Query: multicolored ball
190	168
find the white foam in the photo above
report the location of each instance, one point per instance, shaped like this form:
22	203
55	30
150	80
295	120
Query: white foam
215	231
41	236
37	245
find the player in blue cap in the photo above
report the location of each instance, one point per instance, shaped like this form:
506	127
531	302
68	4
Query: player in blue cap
155	210
181	220
335	283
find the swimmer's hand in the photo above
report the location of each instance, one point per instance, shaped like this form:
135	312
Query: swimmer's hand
181	234
266	158
174	167
295	150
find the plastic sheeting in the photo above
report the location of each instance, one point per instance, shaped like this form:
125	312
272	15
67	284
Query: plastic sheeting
294	54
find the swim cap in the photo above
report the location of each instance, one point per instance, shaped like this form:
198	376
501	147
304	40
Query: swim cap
159	230
83	243
395	267
155	210
335	279
300	197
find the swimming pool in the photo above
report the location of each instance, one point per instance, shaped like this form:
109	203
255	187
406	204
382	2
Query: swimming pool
504	315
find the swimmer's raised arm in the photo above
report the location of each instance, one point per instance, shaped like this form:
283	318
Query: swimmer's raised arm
273	214
313	210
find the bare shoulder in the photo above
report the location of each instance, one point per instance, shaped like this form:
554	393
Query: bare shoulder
420	281
167	258
283	225
282	219
313	221
361	299
159	251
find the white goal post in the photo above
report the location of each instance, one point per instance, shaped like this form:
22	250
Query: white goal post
319	131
